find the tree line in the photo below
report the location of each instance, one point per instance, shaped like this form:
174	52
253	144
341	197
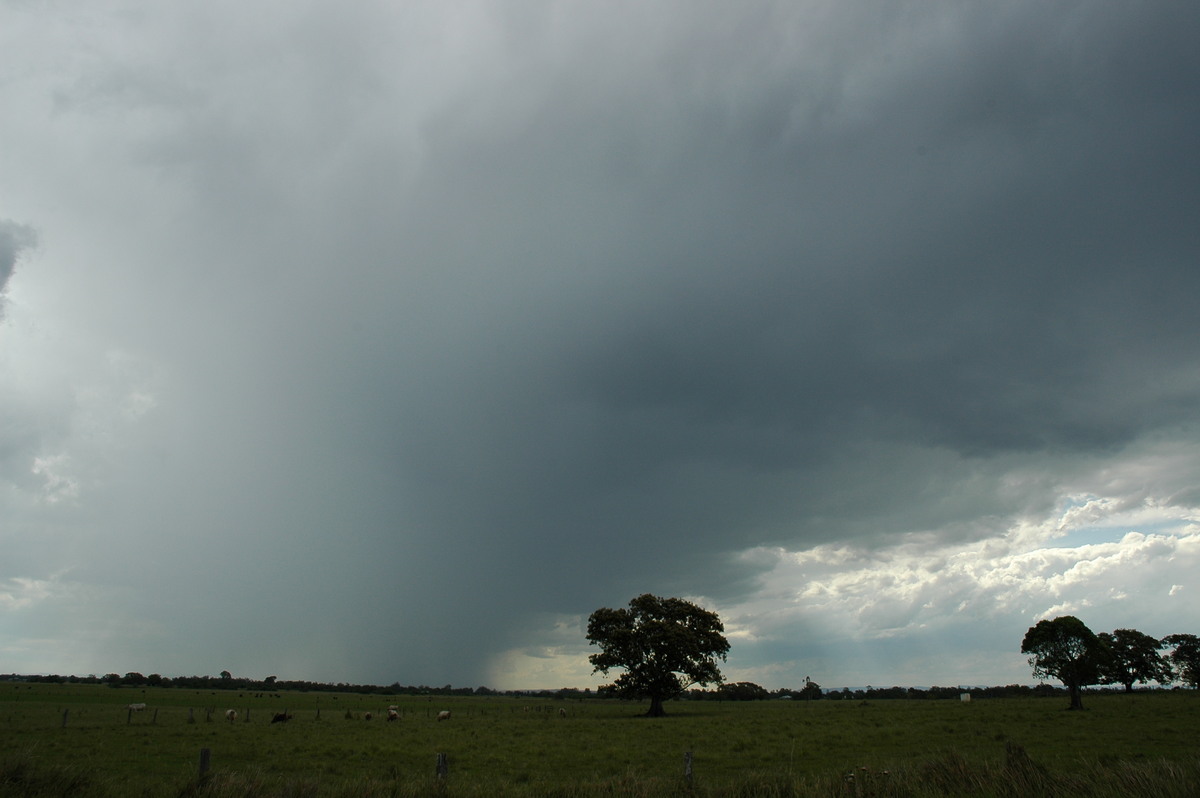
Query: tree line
748	691
669	648
227	681
730	691
1064	648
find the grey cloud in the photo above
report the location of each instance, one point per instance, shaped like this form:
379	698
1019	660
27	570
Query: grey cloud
629	293
708	333
18	415
14	238
982	325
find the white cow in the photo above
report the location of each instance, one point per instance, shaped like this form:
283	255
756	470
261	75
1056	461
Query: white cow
393	714
231	715
444	715
136	707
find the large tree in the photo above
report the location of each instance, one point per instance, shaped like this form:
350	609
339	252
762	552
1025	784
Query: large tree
1185	656
1133	657
1067	650
664	645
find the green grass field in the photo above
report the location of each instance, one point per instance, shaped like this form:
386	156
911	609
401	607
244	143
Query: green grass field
1146	743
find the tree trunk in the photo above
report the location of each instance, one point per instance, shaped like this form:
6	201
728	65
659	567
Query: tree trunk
656	707
1076	696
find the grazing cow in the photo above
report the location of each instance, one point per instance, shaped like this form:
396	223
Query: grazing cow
562	713
136	707
231	715
281	717
444	715
393	714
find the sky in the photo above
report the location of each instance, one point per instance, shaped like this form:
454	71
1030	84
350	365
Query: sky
381	342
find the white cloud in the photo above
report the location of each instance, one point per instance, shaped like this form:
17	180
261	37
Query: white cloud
829	596
58	485
18	592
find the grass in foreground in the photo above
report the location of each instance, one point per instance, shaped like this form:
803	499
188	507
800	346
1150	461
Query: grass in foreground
81	741
1016	776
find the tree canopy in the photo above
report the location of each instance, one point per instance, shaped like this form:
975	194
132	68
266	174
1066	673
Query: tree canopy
664	645
1067	650
1133	656
1185	656
811	690
742	691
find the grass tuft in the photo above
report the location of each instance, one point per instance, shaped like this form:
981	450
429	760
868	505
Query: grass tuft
24	777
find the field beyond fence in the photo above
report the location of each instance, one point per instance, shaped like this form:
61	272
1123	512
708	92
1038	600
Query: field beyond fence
84	740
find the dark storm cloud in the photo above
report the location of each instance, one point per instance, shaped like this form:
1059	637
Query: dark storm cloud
987	258
672	318
641	319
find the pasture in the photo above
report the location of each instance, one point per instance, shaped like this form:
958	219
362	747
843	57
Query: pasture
81	740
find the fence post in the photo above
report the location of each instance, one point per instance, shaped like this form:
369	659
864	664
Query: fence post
65	713
205	759
443	767
154	720
687	767
128	717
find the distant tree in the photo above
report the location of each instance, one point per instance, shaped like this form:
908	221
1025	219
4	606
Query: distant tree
664	645
811	690
1185	657
226	675
269	681
1133	656
742	691
1067	650
51	678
